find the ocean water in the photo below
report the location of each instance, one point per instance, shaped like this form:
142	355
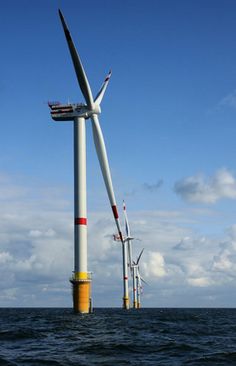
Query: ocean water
117	337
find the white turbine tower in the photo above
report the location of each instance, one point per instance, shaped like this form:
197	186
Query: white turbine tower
78	113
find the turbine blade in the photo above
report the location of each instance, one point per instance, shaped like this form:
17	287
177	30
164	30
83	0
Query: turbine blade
101	92
103	160
128	234
130	252
140	256
139	281
141	278
127	228
81	76
144	281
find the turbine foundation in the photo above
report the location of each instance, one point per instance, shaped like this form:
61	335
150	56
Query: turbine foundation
81	286
125	303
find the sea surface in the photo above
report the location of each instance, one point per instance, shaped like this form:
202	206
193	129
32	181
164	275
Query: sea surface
118	337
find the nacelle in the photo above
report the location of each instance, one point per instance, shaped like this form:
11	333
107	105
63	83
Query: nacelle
68	112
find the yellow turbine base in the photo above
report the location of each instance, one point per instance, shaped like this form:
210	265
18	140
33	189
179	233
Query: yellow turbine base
81	293
138	305
125	303
135	305
81	276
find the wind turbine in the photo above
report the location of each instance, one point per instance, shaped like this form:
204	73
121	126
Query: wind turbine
137	281
79	113
134	266
128	240
125	265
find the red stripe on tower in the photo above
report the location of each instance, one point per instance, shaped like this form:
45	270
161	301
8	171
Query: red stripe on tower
115	212
80	221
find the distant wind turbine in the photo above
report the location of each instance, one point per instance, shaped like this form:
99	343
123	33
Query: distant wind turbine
134	266
137	281
128	240
78	113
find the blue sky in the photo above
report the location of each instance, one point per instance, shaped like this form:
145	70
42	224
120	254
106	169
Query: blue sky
169	122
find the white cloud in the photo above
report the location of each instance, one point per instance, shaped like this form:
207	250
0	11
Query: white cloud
5	257
154	265
153	187
229	100
35	233
36	256
207	190
199	282
187	243
222	261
